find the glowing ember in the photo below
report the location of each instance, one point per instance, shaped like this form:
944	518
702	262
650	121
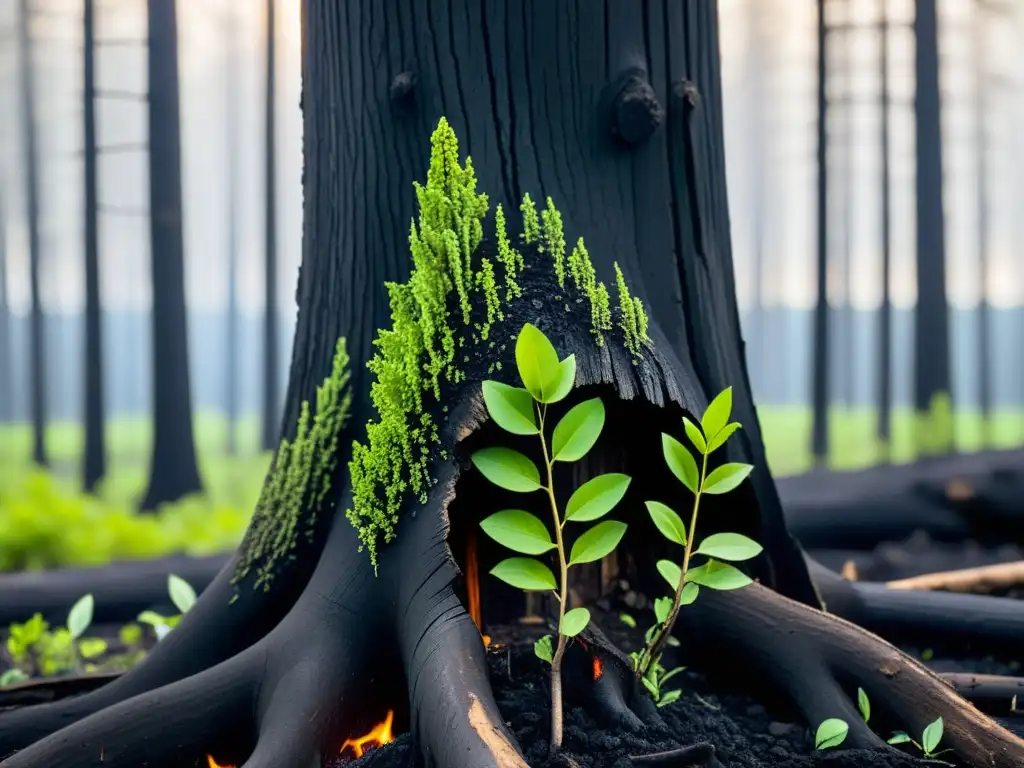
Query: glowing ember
598	668
487	640
379	735
214	764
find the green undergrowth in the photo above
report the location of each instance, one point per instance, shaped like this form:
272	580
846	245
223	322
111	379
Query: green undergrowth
445	317
299	479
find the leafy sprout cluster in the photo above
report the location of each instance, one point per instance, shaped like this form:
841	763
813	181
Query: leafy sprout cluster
447	310
719	548
833	731
524	411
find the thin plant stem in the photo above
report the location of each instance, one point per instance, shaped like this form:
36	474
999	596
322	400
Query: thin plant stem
556	661
653	652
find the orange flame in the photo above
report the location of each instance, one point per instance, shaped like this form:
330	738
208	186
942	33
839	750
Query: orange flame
214	764
487	640
379	735
473	582
598	668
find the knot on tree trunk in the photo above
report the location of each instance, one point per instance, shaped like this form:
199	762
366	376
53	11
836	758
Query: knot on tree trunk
636	111
403	90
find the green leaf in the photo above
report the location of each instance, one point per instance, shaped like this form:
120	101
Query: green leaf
693	432
510	407
152	618
564	380
599	541
508	469
525	573
519	531
669	675
831	733
182	594
662	608
670	572
543	649
717	414
680	461
932	736
574	622
863	704
719	440
537	362
667	521
596	497
80	616
729	546
689	593
670	697
715	575
650	687
91	647
628	620
726	477
898	737
578	430
12	677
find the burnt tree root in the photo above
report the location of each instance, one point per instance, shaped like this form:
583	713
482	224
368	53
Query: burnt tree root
817	661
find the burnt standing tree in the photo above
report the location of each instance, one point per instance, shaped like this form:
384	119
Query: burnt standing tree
932	372
819	357
884	390
37	322
173	471
303	640
94	456
271	399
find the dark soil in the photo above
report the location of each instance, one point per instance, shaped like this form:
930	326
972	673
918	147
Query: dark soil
744	733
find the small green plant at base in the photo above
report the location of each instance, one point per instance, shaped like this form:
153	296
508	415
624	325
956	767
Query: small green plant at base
863	704
929	739
182	595
831	733
38	651
523	411
658	674
715	428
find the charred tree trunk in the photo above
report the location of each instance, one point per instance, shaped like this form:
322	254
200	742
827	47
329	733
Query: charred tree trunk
286	672
271	398
932	372
232	138
820	356
94	456
884	428
37	320
6	384
173	471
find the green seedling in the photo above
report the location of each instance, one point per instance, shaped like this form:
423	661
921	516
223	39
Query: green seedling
831	733
182	595
657	675
38	651
714	430
863	704
930	739
524	411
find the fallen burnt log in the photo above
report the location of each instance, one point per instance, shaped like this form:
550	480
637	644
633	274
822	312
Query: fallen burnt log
121	590
976	496
350	601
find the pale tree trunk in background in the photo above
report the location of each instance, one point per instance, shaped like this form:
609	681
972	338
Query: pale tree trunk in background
173	473
758	81
844	351
231	102
932	372
37	325
6	389
271	389
981	106
820	358
94	454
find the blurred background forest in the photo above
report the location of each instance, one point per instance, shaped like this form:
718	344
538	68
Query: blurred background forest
877	225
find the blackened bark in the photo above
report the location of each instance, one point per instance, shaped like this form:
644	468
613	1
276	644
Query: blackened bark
231	149
94	455
820	359
932	373
6	384
981	102
271	399
884	391
37	324
173	471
